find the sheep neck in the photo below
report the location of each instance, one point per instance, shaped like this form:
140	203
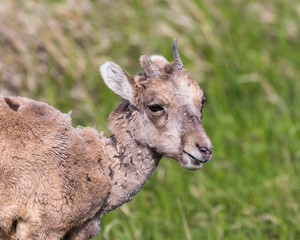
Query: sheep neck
130	164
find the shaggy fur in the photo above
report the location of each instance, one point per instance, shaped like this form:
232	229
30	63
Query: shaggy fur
48	170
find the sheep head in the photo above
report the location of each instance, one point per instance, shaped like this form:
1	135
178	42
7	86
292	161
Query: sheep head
169	105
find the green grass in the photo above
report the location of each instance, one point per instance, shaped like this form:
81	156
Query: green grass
244	54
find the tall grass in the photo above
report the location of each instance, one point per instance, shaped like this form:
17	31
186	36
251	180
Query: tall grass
244	54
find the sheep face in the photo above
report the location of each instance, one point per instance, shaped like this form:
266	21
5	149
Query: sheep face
168	108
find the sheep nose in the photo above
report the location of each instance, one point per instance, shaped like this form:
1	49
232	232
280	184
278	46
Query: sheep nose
206	153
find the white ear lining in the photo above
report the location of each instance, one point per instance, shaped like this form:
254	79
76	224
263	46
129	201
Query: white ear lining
117	80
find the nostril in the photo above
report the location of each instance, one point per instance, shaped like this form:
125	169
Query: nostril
206	152
203	149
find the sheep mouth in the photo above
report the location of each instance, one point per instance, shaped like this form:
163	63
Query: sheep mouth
191	162
197	160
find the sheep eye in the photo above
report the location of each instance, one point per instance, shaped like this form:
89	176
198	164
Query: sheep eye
202	104
155	108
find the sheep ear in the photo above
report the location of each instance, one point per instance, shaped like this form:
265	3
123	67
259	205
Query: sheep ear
118	80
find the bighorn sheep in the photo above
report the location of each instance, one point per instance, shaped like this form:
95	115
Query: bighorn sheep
56	181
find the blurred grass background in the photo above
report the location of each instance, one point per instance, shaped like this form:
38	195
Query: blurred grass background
245	54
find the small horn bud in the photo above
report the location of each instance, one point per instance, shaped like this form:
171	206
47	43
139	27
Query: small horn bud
149	67
178	62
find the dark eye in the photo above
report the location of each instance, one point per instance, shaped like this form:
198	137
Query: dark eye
202	104
155	108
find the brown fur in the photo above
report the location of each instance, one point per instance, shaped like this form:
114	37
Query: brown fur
51	175
56	181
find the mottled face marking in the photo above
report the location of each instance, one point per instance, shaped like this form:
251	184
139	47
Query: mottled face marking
168	102
178	91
